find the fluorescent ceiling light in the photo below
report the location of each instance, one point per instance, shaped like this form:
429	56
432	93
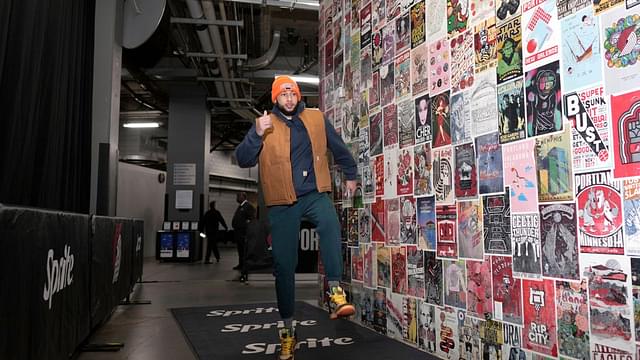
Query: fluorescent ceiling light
304	79
142	125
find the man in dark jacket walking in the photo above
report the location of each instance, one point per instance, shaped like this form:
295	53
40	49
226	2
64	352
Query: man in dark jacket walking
211	222
243	215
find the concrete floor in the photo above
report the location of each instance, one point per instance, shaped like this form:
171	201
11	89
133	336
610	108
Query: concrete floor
151	332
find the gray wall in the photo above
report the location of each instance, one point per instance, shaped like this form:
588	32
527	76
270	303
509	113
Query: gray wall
141	196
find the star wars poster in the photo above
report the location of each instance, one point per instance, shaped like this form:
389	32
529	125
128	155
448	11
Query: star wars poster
392	221
470	237
599	201
507	291
469	329
553	164
423	119
540	31
426	214
525	238
509	46
402	75
573	319
484	44
457	16
491	333
497	224
419	70
520	175
540	317
620	31
436	20
380	310
439	66
511	110
405	172
375	134
443	174
447	336
370	275
568	7
406	123
632	217
625	118
559	243
461	126
610	305
399	269
581	54
390	121
422	164
479	301
447	246
383	265
489	164
484	107
440	120
394	315
417	24
408	220
410	320
455	284
427	327
357	266
466	181
587	112
544	102
415	271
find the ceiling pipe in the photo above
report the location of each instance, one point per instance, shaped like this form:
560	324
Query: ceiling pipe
267	58
214	31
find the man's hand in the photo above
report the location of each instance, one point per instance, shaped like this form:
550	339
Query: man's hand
263	123
351	187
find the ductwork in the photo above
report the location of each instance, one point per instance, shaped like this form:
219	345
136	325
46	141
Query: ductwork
266	59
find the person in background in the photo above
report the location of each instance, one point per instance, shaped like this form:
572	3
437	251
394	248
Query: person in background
243	215
291	145
210	223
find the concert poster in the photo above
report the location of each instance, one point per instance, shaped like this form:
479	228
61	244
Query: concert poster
470	236
559	243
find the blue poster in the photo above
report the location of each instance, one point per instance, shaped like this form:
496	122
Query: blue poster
581	54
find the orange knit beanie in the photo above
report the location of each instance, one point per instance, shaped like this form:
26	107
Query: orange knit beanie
281	84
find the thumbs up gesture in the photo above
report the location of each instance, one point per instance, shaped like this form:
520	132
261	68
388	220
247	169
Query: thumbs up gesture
263	123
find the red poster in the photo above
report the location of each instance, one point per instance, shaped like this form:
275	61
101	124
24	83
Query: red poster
399	269
539	332
507	291
447	246
377	220
625	116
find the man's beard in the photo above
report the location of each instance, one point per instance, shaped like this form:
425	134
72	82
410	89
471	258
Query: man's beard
288	113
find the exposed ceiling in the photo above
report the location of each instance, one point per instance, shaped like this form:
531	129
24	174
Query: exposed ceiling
230	48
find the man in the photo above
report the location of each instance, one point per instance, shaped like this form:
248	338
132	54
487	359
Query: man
242	217
291	144
211	222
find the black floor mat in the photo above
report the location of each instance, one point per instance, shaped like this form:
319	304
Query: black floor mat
249	331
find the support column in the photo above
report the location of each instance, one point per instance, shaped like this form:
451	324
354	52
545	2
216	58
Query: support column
107	70
188	152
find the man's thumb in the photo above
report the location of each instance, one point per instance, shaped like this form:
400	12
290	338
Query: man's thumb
265	113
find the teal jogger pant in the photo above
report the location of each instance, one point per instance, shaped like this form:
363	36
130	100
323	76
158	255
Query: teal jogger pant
285	220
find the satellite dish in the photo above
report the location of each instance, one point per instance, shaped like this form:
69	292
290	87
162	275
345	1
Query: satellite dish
140	20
